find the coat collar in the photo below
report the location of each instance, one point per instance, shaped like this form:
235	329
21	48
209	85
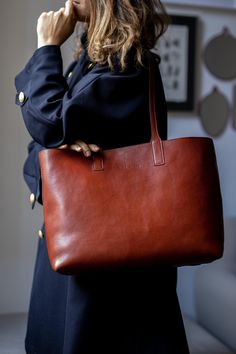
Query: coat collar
83	39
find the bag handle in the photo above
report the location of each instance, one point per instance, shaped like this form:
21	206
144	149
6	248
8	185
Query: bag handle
158	153
152	98
156	142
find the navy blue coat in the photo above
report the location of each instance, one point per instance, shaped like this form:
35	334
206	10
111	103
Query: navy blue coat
113	312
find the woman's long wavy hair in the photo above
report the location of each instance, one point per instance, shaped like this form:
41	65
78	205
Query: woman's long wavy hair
117	25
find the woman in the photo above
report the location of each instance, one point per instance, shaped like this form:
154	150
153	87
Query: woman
100	102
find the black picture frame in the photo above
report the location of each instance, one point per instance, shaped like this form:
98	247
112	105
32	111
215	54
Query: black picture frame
177	49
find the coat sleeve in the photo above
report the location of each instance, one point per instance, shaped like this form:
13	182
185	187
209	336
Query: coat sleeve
54	114
31	172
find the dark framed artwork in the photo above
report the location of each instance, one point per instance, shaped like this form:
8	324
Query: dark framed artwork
177	51
215	4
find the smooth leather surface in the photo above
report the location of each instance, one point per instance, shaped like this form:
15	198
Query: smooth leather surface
153	203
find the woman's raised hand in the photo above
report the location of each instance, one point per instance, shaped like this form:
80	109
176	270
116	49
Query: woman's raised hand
55	27
81	146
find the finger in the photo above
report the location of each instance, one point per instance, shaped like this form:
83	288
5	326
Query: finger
85	148
68	7
62	9
43	14
94	147
75	147
63	146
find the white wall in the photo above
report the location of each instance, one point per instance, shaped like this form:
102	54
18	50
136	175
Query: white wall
211	23
19	224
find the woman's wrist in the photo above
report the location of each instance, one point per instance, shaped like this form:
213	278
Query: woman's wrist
44	43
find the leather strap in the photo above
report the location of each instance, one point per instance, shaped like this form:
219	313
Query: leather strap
157	146
152	99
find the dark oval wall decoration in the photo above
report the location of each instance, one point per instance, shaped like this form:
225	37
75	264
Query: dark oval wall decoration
220	56
214	112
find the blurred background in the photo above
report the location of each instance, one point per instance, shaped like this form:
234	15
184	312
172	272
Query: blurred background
204	82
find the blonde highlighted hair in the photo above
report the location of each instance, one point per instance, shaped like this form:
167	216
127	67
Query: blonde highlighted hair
117	25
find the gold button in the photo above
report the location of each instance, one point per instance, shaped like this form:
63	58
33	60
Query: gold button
21	97
90	65
69	75
41	235
32	198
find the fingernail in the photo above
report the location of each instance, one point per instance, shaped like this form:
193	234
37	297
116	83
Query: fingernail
87	153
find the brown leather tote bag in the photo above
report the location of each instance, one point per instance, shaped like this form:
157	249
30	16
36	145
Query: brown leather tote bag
157	203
